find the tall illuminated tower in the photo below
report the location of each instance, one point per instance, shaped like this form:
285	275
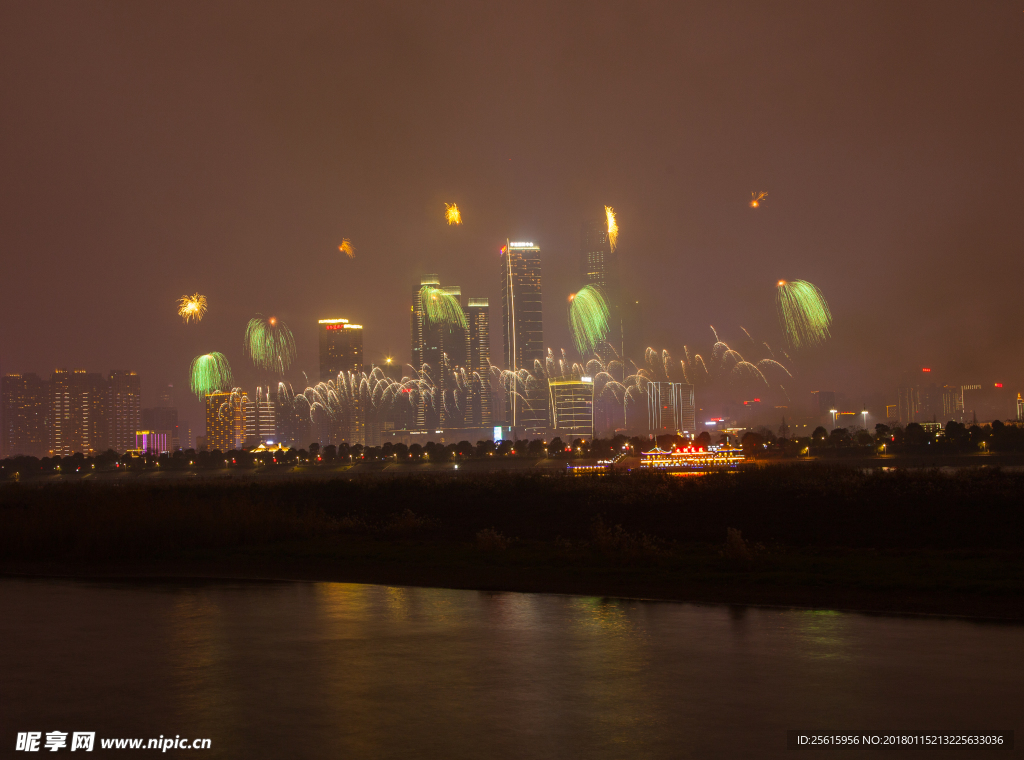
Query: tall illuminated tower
523	327
478	315
341	363
447	353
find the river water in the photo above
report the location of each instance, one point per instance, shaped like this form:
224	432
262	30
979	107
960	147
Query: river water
334	670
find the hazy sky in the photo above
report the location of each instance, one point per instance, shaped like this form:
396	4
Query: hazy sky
149	150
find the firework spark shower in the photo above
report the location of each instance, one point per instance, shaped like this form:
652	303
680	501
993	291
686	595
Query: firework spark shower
803	313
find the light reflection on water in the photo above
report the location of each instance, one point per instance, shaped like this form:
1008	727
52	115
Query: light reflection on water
348	670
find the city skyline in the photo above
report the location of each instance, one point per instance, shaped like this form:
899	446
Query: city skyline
176	190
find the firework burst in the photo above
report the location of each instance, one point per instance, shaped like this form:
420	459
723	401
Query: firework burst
452	214
442	308
613	227
269	343
588	319
803	313
756	198
346	248
192	307
210	373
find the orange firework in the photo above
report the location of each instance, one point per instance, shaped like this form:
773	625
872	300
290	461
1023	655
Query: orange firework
346	248
452	213
756	198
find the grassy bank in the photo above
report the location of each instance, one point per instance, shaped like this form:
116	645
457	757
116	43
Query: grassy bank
815	535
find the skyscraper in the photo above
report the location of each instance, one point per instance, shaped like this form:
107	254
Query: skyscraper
523	328
68	413
478	316
125	409
24	415
572	407
599	268
341	352
671	409
450	355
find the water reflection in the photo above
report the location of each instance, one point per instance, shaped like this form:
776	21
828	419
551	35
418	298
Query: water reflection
348	670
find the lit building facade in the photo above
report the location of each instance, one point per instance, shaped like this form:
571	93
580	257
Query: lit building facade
671	409
341	351
523	331
572	408
225	421
152	441
163	419
125	405
478	316
25	404
260	419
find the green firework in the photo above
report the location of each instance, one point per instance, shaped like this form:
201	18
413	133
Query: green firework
588	319
210	373
803	312
442	308
269	343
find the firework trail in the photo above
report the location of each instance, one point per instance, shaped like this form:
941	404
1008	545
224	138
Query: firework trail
192	307
803	313
442	308
452	214
210	373
756	198
346	248
588	319
269	343
613	228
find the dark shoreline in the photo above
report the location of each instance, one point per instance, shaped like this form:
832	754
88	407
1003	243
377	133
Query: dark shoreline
581	582
812	536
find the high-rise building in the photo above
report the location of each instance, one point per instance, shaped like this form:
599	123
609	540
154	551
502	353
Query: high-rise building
341	351
260	419
454	358
1020	408
125	409
598	268
478	316
24	412
671	409
98	421
68	413
572	407
523	328
225	421
892	413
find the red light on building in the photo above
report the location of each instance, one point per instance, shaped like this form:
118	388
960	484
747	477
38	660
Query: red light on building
999	385
926	369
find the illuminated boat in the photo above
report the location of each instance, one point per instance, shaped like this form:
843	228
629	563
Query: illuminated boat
689	458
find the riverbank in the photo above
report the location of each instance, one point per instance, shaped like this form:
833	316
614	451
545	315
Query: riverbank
809	536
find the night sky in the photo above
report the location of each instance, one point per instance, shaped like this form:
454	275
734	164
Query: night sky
149	150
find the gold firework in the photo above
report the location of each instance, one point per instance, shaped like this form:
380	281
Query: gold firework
756	198
192	307
452	213
346	248
613	228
